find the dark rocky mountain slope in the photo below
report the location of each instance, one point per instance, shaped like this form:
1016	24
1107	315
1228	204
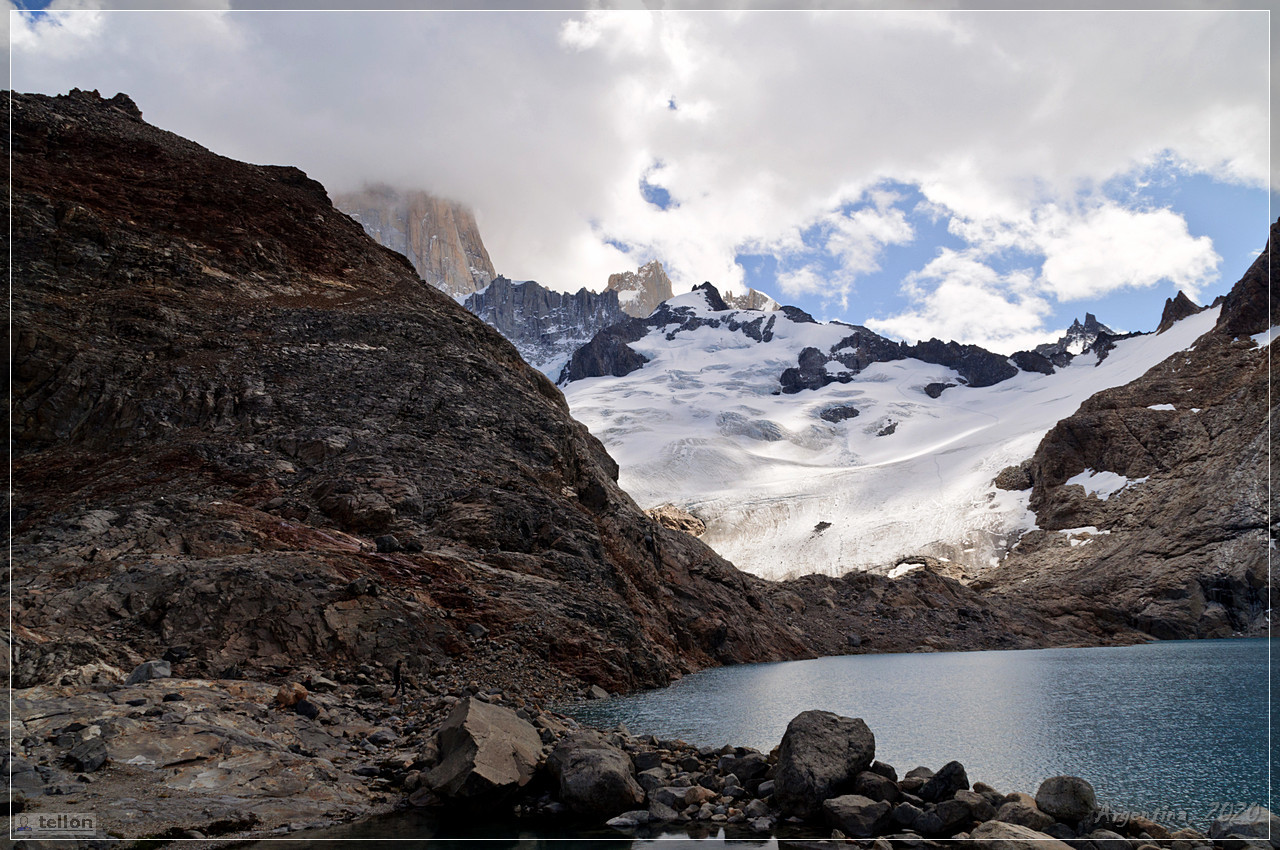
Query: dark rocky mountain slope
227	403
1182	551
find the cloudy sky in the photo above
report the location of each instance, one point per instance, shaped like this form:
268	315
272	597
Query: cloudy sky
979	176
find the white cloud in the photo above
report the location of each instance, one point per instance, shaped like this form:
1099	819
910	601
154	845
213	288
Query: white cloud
959	297
546	122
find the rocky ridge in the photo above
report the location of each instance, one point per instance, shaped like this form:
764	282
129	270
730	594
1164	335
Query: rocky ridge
1151	499
545	326
438	236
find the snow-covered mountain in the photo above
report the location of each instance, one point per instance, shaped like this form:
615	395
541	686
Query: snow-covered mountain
810	447
1078	339
545	326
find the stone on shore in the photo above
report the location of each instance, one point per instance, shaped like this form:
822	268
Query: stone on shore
1255	823
857	816
820	756
945	783
485	749
1021	810
997	835
594	777
1069	799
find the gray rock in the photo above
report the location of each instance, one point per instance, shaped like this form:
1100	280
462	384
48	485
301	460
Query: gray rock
88	755
856	816
149	670
1255	822
945	783
906	815
1023	811
1069	799
653	778
756	809
980	808
766	788
646	761
876	787
748	767
594	778
662	813
597	692
476	630
996	835
484	749
820	755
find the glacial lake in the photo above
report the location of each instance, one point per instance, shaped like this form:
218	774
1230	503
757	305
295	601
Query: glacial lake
1177	730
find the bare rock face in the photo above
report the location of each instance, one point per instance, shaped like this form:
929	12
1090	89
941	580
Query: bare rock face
820	757
224	392
677	519
1175	310
641	291
752	299
440	237
1181	550
485	750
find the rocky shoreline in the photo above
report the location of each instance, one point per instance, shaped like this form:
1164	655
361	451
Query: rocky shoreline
166	757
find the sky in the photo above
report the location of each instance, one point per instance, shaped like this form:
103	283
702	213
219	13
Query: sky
982	176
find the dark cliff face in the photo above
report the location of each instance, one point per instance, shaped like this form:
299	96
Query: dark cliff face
544	325
224	391
1185	551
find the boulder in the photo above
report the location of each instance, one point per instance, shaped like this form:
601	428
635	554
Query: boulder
945	783
820	756
1069	799
1022	810
857	816
485	749
1255	822
876	787
748	767
149	670
88	756
996	835
594	777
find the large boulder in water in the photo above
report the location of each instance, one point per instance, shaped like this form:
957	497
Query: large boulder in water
821	755
595	777
485	749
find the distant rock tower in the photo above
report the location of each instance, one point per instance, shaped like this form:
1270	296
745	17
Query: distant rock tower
641	291
439	237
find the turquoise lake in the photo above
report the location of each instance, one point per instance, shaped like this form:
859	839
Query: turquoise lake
1175	730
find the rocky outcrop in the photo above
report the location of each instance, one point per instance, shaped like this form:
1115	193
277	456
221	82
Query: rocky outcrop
213	425
440	237
641	291
1176	309
1078	339
545	326
751	300
608	353
1180	551
677	519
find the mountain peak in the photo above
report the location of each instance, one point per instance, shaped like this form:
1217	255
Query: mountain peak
641	291
1078	338
1176	309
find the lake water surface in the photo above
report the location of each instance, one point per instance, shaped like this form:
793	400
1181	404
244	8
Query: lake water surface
1168	727
1177	730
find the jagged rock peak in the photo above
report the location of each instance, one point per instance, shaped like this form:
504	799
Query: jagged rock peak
1176	309
1078	338
754	299
440	237
641	291
1252	305
714	301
